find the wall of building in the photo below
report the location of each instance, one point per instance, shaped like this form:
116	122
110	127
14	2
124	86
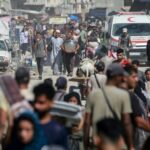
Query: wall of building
76	6
71	6
35	2
5	4
47	3
114	4
53	3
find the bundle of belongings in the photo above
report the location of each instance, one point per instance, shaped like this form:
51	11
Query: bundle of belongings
71	113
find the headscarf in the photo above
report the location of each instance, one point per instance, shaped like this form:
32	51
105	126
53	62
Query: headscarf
73	94
38	140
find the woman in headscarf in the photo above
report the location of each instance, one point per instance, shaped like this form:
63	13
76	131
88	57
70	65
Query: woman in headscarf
75	139
73	98
27	133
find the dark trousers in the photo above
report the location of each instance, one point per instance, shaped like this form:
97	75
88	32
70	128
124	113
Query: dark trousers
148	59
40	64
69	60
24	48
63	61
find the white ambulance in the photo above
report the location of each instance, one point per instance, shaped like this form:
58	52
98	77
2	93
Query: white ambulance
138	25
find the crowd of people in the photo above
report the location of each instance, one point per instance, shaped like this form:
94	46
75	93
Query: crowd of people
59	46
116	115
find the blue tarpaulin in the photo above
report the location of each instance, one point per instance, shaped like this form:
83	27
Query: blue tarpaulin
73	17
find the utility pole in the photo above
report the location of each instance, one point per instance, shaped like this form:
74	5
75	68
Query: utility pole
85	8
82	11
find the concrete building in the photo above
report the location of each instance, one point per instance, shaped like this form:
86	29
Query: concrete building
52	7
46	3
63	7
5	5
76	6
111	4
34	2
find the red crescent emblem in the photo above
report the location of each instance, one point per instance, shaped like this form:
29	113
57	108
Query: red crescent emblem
130	19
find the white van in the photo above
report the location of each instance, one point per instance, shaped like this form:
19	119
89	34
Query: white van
5	53
138	25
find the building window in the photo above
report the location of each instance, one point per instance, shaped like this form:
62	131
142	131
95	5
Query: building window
128	2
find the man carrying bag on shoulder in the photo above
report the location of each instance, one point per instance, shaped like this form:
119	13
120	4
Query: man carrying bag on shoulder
109	102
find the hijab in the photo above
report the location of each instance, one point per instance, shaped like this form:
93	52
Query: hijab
38	140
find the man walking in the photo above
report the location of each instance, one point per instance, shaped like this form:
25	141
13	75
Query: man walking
70	48
141	75
125	42
99	78
56	53
121	58
24	40
40	53
109	101
55	133
109	135
139	114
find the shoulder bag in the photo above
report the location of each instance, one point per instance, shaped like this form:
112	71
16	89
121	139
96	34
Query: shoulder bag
107	100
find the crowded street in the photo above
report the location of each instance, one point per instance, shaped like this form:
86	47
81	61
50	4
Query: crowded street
74	74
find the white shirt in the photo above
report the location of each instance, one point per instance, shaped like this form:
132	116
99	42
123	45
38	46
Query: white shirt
56	45
24	37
